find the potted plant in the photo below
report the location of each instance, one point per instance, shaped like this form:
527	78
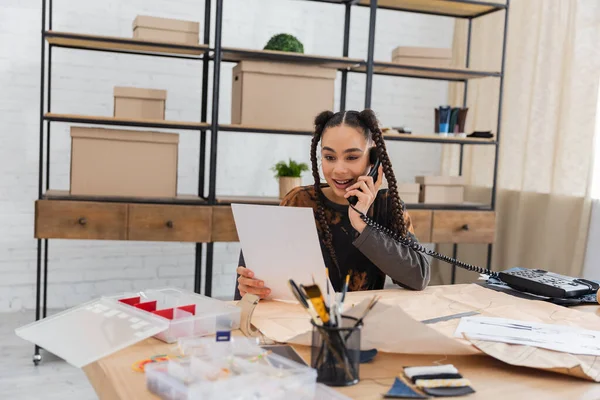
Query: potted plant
285	42
289	175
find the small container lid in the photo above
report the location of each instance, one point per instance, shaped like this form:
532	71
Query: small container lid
93	330
283	68
123	135
167	24
422	52
441	180
139	93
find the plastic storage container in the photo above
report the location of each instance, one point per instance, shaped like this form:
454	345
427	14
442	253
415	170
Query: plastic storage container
84	334
187	313
225	370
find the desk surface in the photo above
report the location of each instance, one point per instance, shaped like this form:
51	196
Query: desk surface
113	378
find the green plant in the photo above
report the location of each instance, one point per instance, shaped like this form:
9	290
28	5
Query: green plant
285	42
291	169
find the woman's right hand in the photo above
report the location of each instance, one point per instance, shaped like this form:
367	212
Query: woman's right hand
247	283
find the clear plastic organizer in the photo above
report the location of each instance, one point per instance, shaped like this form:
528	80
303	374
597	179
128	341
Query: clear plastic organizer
187	313
226	370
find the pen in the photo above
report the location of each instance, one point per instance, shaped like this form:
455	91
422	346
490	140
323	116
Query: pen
343	297
332	314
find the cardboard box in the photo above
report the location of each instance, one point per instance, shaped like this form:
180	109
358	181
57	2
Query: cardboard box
441	180
432	56
409	192
280	95
166	30
442	194
109	162
137	103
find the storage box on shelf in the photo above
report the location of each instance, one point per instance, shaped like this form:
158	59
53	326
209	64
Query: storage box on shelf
110	162
409	192
280	95
431	56
441	189
138	103
166	30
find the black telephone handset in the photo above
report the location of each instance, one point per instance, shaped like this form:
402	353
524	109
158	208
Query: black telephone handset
374	172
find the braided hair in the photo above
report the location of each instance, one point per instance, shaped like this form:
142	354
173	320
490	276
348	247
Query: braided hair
364	121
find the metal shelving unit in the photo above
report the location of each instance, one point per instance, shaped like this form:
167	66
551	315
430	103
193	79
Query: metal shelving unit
82	42
467	9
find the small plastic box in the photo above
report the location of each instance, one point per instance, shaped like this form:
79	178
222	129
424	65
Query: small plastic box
187	313
113	323
217	375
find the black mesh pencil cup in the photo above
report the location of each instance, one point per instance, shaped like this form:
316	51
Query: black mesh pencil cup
335	352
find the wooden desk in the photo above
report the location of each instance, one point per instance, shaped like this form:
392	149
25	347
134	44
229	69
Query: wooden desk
113	377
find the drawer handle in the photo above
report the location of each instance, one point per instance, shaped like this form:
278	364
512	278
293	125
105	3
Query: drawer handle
82	221
465	227
169	224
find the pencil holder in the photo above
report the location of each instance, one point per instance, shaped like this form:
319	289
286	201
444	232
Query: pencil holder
335	352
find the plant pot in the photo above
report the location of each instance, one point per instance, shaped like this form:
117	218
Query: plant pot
287	183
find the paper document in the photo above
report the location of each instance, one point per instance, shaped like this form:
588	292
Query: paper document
386	328
280	243
561	338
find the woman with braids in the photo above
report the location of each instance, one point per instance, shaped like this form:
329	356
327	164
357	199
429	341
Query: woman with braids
349	245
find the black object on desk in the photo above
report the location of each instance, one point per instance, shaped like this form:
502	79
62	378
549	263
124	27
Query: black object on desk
549	284
335	352
498	285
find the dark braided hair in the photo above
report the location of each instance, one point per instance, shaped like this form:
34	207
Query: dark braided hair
365	121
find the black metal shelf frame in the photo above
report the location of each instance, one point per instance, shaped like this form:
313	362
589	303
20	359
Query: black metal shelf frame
370	66
45	135
217	58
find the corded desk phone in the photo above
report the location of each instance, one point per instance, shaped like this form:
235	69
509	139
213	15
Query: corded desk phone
549	284
534	281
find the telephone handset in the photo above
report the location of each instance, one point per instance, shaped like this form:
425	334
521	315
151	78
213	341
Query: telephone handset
373	160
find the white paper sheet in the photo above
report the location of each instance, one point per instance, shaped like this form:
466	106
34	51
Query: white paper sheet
280	243
561	338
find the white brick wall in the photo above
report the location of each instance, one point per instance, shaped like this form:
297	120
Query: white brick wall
83	83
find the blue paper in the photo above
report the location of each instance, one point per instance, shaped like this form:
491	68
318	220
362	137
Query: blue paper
367	355
401	390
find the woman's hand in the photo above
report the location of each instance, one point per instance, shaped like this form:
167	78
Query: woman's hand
247	283
366	192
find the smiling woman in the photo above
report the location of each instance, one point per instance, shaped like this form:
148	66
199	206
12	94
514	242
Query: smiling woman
349	246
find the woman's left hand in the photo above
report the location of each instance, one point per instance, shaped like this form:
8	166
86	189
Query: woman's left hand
366	192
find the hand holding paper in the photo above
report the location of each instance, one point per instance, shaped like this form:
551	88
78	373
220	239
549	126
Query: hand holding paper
279	244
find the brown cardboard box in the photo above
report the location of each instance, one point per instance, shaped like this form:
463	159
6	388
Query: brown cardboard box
166	30
432	56
136	103
109	162
280	95
441	180
409	192
442	194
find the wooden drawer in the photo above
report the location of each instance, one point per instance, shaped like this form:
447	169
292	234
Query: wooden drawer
463	227
170	223
421	220
56	219
223	225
